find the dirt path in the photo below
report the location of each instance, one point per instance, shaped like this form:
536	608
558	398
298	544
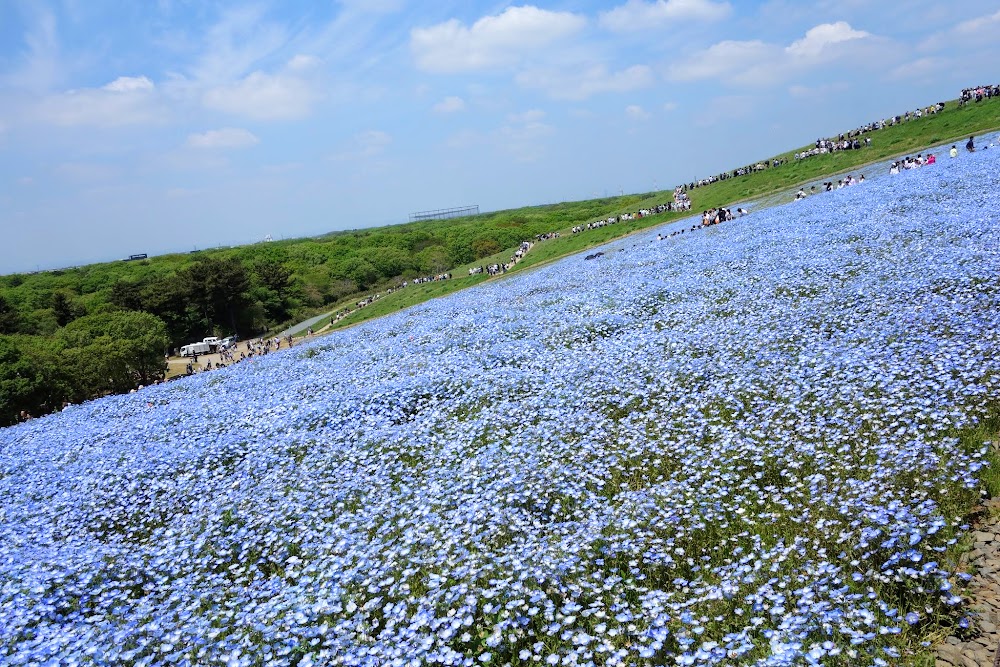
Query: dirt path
178	365
982	649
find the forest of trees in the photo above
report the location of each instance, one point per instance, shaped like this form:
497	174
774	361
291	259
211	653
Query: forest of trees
72	334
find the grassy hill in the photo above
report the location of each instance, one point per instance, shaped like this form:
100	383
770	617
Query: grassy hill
951	125
260	288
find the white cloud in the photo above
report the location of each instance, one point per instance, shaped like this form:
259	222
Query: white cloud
636	112
124	101
303	62
227	137
979	25
492	41
372	6
237	43
129	84
640	15
670	106
584	82
721	60
183	193
819	38
815	92
920	68
282	96
464	139
530	117
41	68
521	136
725	109
976	29
759	63
368	144
450	105
373	142
86	172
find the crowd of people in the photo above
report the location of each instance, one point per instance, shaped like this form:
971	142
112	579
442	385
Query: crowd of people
710	217
681	202
504	267
829	186
853	140
824	146
740	171
978	94
428	279
256	347
913	162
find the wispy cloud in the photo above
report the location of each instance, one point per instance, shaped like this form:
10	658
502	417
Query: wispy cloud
367	144
39	68
129	84
638	15
819	91
920	68
989	23
124	101
284	95
970	30
227	137
240	41
492	41
725	109
521	136
585	81
636	112
450	105
817	40
755	62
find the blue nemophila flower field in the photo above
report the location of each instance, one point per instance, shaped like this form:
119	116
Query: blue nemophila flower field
734	446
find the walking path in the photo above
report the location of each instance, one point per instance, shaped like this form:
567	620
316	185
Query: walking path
301	326
982	649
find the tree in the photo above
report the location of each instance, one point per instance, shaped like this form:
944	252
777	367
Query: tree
65	310
273	289
9	318
460	251
388	261
31	377
168	299
484	247
273	275
19	382
433	259
114	352
218	288
126	295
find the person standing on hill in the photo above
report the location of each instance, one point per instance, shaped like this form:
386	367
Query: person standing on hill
970	146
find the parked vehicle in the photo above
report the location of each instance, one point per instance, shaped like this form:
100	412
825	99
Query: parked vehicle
196	348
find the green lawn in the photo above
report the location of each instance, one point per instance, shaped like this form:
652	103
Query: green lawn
952	125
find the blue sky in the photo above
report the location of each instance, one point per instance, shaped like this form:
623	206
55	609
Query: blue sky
130	127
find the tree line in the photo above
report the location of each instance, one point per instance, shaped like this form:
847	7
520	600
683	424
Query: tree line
73	334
